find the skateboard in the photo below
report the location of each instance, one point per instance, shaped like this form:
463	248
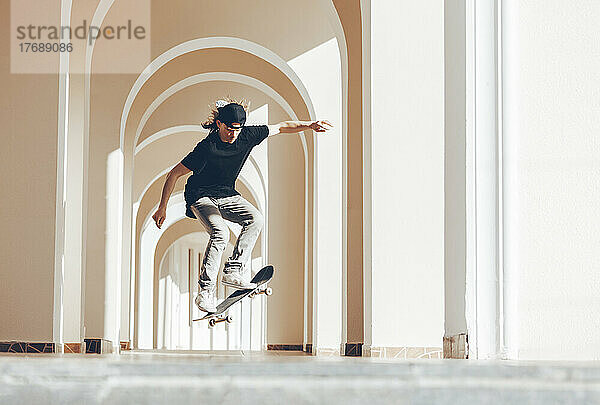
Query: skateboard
261	278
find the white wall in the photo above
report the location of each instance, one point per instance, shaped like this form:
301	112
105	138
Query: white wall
552	175
408	143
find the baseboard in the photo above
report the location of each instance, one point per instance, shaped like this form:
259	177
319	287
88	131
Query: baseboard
91	345
98	346
294	348
456	346
366	350
353	349
382	352
27	347
406	352
72	348
327	352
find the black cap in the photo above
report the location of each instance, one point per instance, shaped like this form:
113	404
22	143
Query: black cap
231	113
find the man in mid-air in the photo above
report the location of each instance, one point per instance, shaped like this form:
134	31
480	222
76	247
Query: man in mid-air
210	193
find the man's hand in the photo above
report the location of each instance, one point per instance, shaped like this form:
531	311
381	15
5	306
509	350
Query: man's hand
293	127
159	216
320	126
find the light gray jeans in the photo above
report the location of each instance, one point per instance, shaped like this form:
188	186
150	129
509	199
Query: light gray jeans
212	212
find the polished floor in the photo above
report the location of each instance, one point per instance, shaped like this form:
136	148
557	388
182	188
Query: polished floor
236	377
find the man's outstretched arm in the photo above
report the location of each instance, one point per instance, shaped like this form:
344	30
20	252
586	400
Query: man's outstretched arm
175	173
291	127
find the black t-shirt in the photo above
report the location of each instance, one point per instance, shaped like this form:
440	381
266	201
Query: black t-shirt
217	164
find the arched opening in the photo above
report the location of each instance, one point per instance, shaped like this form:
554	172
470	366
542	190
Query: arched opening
310	260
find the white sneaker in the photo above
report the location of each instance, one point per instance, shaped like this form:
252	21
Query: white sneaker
205	301
233	266
232	276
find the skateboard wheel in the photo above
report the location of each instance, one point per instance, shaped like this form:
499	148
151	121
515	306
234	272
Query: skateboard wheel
229	319
212	322
269	291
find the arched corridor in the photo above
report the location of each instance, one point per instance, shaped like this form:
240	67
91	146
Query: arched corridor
449	212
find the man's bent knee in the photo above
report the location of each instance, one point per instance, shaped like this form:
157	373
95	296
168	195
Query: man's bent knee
220	237
258	220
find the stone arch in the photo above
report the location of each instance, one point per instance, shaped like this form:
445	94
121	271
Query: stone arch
104	6
308	177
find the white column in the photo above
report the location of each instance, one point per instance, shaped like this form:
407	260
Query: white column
114	227
455	246
484	275
367	157
72	182
61	187
75	214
